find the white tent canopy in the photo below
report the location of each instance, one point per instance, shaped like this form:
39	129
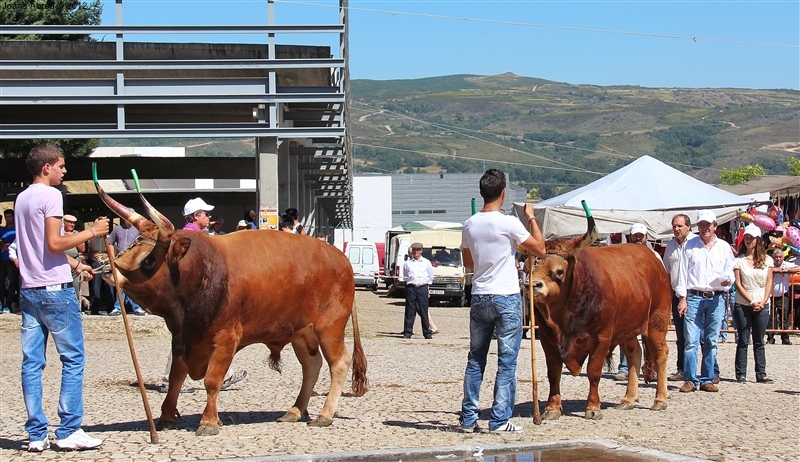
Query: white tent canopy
645	191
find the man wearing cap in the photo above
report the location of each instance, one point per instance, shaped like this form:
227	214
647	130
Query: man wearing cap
197	214
673	254
121	238
418	274
638	233
242	225
704	275
216	226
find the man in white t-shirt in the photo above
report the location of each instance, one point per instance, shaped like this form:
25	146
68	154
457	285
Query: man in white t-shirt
48	302
489	241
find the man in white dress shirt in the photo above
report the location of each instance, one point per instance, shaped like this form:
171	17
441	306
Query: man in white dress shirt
704	275
418	273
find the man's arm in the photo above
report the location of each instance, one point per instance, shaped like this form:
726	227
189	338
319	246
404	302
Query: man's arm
535	243
57	243
466	255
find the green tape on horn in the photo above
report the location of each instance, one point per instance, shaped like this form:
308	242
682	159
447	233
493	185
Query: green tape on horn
94	171
136	180
586	209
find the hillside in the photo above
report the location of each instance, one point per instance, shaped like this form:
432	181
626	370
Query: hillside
554	136
530	123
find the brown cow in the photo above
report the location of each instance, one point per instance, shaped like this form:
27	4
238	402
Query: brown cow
219	294
593	299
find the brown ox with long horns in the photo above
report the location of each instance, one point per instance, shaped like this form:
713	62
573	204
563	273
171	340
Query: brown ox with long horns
219	294
591	299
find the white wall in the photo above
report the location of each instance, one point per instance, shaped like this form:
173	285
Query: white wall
372	210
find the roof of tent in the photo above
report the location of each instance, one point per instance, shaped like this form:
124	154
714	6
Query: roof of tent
645	184
645	191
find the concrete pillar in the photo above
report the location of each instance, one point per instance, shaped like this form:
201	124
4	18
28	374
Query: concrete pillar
267	149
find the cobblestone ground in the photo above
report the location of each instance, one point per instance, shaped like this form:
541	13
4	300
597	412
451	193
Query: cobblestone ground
413	401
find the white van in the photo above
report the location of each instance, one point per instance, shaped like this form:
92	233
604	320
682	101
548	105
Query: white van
363	257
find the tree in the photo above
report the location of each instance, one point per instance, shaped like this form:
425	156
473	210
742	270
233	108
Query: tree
740	175
49	12
794	166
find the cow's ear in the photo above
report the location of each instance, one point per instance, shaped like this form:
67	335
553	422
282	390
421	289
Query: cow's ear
178	249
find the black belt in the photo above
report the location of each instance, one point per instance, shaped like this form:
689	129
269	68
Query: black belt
420	285
705	293
63	286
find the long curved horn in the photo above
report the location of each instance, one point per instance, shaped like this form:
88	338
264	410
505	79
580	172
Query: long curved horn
591	230
164	225
122	211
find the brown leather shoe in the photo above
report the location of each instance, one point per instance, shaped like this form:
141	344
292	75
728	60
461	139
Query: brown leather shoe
687	387
676	377
709	387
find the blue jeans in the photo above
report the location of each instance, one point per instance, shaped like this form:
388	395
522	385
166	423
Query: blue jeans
57	313
500	315
701	324
127	302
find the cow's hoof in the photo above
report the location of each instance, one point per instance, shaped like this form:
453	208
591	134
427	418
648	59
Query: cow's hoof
290	417
624	405
659	406
320	422
551	414
207	430
166	425
593	415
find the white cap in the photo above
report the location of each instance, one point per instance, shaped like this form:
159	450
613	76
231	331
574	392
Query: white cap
195	205
706	215
752	230
70	218
241	224
638	228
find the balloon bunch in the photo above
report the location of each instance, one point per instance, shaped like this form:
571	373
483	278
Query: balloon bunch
773	221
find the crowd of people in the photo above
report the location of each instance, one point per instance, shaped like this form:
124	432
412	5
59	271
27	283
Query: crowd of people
715	278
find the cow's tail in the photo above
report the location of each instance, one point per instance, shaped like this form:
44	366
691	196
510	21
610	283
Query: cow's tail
360	382
648	369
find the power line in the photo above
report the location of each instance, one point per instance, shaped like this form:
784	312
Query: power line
547	26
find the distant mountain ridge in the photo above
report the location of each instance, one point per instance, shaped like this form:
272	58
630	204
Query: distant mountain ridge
524	120
553	136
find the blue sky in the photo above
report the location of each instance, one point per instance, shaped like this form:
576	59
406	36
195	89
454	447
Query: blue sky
740	44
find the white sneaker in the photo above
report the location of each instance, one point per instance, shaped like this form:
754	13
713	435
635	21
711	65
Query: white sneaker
508	428
79	440
236	377
38	446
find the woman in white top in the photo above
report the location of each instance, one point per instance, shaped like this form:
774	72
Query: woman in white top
751	312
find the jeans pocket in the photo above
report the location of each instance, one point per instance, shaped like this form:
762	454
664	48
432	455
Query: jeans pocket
56	314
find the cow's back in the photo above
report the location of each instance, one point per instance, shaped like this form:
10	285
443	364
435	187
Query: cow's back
627	284
278	282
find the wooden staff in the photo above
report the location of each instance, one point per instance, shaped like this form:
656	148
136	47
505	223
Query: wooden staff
537	416
150	422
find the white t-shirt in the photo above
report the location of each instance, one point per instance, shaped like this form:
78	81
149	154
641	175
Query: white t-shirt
38	267
492	239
